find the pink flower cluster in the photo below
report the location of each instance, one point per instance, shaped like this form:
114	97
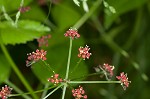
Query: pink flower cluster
43	41
79	93
124	80
108	68
24	9
35	56
84	52
5	92
73	33
55	79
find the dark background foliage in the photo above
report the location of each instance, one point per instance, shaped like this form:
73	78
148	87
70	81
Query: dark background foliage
121	39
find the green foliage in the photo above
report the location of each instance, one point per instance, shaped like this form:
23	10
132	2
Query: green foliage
27	30
122	7
13	5
5	69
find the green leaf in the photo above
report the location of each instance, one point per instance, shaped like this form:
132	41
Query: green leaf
57	58
65	15
121	8
5	69
26	30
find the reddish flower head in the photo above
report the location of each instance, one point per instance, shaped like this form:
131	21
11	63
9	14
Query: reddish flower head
35	56
43	41
5	92
73	33
84	52
124	80
55	79
107	70
79	93
24	9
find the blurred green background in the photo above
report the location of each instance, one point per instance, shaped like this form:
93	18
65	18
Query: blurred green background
121	39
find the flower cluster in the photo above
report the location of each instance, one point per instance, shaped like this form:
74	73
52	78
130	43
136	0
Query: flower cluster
24	9
43	41
124	80
79	93
107	70
35	56
55	79
73	33
5	92
84	52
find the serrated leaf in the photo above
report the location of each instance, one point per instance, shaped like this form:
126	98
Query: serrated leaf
5	69
26	30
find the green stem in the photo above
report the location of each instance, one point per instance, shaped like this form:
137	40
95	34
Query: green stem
53	91
45	91
67	70
87	15
49	67
93	74
17	71
76	66
17	89
69	58
38	91
92	82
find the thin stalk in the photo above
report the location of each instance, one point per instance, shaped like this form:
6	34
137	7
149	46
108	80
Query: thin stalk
69	58
76	66
93	74
92	82
45	91
49	67
53	91
17	71
38	91
16	89
67	70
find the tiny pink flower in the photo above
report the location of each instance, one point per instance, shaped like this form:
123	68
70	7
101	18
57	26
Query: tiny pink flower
36	56
73	33
55	79
24	9
79	93
5	92
43	41
84	52
124	80
107	70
